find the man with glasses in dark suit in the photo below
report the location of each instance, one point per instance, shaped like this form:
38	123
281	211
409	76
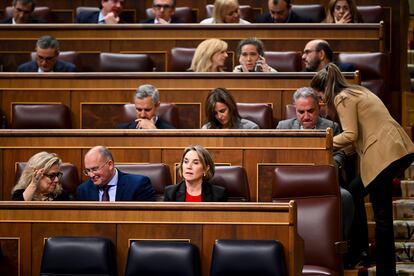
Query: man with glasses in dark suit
163	12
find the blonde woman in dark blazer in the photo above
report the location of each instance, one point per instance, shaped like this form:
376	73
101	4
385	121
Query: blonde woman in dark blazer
385	151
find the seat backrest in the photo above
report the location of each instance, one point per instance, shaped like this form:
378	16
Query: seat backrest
78	256
184	14
371	14
81	9
261	114
41	116
180	59
70	179
316	12
248	257
316	192
288	61
290	111
43	13
163	258
158	173
168	112
246	12
69	56
373	67
114	62
234	179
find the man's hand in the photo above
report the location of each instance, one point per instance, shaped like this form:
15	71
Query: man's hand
145	124
110	18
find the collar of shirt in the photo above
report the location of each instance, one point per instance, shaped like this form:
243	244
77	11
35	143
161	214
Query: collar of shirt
112	187
156	21
101	18
13	21
39	70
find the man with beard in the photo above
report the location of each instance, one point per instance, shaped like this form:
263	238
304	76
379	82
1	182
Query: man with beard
318	53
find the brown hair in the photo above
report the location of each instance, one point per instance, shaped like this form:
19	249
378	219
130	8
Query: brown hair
205	159
329	10
221	95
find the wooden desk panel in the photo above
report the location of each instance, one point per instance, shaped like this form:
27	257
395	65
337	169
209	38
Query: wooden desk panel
157	40
201	224
258	151
95	99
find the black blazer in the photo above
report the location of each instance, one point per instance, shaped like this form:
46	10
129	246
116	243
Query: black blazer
209	192
32	20
60	66
159	124
151	20
293	18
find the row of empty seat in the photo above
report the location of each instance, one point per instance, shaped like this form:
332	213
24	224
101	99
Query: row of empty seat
316	12
96	256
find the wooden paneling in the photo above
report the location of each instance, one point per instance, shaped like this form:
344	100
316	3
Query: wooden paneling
251	149
201	224
95	98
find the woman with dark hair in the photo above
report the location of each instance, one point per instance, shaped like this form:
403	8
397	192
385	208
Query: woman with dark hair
341	11
385	151
221	112
251	56
40	179
197	169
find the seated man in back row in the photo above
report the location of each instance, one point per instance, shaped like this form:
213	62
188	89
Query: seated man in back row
147	102
307	117
108	13
163	12
47	52
22	13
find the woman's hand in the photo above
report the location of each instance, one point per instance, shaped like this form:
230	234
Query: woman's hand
34	184
346	18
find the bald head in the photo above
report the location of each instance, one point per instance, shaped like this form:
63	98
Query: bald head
316	55
99	165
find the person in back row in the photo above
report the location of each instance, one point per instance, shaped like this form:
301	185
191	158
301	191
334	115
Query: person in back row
210	56
108	14
22	13
280	11
341	11
251	56
221	112
106	183
318	53
47	52
225	11
197	169
163	12
147	102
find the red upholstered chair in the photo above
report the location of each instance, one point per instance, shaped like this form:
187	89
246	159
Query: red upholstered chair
70	179
168	113
43	13
373	67
371	14
316	192
288	61
184	14
180	59
114	62
246	12
313	11
290	111
261	114
41	116
234	179
159	174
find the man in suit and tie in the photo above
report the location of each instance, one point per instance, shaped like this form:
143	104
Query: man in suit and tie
147	102
318	53
22	13
47	52
163	12
280	11
106	183
108	13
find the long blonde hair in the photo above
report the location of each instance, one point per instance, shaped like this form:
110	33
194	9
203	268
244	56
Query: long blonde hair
41	160
219	5
203	56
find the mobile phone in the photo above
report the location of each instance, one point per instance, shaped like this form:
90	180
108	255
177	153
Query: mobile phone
258	67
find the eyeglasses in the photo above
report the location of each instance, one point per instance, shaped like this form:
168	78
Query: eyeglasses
47	59
159	7
94	169
52	176
306	52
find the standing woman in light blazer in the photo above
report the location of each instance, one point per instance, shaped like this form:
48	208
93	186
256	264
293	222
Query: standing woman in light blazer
385	151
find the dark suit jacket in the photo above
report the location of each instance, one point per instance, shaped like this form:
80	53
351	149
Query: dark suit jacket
293	18
87	17
130	187
60	66
33	20
151	20
160	124
209	192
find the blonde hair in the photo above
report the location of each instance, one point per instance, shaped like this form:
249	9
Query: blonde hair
205	159
41	160
203	56
218	11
